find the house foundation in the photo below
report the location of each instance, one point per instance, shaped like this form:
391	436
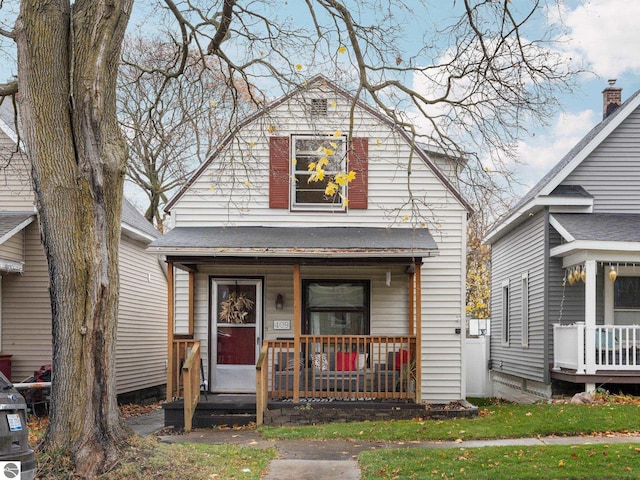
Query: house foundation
519	390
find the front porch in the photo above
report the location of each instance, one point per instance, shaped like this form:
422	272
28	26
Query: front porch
596	354
374	374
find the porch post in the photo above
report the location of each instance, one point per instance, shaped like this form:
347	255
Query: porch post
297	309
170	329
411	303
418	333
590	316
192	283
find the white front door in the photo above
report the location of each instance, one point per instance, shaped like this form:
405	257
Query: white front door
236	333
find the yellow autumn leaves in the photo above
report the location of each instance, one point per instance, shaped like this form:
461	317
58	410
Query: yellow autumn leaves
318	171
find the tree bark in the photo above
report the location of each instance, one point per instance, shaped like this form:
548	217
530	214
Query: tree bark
67	66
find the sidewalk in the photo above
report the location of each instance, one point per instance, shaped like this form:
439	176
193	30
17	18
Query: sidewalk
331	459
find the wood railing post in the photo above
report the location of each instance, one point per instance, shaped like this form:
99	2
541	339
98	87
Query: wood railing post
191	379
262	380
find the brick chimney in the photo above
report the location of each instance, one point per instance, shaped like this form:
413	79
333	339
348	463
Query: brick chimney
611	98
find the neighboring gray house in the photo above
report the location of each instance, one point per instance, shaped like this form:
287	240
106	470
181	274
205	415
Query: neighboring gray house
25	308
565	281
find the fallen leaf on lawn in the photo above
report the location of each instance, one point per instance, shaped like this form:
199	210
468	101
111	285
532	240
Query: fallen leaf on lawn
561	463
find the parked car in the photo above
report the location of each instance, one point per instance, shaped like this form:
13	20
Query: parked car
17	459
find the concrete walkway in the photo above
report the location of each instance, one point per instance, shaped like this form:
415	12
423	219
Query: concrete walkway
332	459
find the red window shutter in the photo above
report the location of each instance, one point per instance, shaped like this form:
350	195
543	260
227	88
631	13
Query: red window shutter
359	163
278	172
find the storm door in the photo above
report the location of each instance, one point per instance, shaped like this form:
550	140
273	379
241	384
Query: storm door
236	321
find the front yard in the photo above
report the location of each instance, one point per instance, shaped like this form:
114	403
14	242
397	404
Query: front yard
612	417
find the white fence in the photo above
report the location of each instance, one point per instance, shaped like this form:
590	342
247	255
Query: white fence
477	366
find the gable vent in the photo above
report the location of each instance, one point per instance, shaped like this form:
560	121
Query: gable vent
318	107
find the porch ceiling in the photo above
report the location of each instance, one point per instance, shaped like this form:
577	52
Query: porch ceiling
297	242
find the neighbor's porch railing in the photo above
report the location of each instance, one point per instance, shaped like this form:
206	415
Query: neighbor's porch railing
616	347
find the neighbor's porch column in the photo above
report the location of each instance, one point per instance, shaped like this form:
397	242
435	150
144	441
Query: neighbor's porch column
590	319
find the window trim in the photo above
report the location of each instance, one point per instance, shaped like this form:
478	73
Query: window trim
366	309
505	312
334	207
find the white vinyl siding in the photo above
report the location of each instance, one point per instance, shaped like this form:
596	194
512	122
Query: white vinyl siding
16	194
26	311
236	192
141	349
13	249
141	346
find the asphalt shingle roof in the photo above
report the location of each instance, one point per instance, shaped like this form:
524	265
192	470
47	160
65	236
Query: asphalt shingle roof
10	220
337	239
601	227
132	217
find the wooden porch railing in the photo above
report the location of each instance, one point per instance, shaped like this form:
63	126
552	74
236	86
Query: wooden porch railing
191	378
175	377
341	367
262	383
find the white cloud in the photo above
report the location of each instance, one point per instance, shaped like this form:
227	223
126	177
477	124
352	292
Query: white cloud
605	34
538	154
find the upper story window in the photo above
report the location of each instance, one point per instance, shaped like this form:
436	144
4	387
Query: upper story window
311	154
289	159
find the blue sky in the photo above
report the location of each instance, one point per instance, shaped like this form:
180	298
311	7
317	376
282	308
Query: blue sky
604	34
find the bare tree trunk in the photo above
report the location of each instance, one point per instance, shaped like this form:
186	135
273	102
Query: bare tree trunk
67	64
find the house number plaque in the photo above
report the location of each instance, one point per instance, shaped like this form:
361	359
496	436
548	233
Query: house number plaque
281	325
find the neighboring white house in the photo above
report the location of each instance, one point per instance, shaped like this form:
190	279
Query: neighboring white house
565	276
25	310
357	290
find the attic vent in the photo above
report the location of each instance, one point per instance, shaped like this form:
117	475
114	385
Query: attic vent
318	107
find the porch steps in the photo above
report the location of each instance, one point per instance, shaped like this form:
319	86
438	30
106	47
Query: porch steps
214	410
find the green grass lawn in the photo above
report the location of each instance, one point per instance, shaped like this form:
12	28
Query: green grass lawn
496	421
618	461
146	458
